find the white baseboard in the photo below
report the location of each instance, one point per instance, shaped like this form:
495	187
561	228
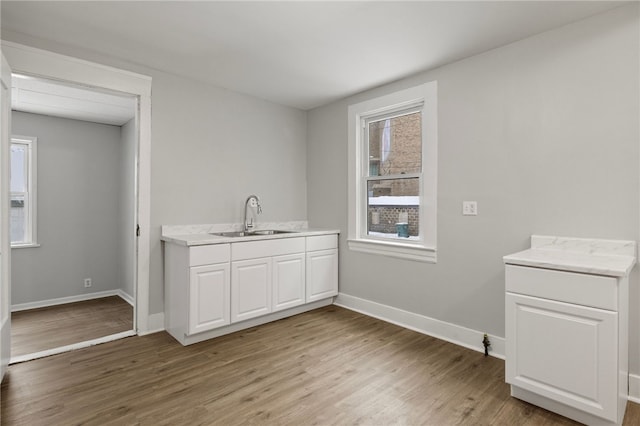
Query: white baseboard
155	324
126	296
462	336
71	299
634	388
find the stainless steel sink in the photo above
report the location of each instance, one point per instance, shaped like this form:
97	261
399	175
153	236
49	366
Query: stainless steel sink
250	233
269	232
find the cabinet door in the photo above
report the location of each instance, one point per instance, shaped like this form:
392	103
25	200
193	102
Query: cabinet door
288	281
209	287
250	288
563	351
322	274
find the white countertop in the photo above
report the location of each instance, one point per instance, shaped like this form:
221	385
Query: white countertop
591	256
198	239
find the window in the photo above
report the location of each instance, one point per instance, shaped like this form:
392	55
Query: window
393	145
23	191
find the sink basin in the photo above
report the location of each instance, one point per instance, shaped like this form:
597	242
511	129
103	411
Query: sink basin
269	232
231	234
250	233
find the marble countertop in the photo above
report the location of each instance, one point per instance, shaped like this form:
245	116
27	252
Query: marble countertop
197	235
591	256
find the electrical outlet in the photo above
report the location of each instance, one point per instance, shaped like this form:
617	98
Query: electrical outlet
87	282
470	208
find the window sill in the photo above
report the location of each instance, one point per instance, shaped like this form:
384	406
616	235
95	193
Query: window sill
393	249
26	245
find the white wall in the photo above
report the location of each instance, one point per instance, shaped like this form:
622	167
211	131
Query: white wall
78	210
210	149
126	194
543	133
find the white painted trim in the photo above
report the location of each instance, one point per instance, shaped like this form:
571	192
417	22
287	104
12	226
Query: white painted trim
634	388
462	336
126	297
73	347
31	199
5	238
37	62
425	97
392	249
156	324
70	299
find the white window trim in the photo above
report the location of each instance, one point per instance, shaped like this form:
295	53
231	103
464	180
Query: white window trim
32	200
426	249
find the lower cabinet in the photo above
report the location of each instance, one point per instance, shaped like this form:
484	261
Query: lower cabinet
209	288
322	274
212	286
288	281
566	342
567	353
250	288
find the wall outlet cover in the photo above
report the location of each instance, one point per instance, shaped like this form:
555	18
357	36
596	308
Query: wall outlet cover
470	208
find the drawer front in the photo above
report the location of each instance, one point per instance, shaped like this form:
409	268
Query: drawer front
206	255
266	248
322	242
582	289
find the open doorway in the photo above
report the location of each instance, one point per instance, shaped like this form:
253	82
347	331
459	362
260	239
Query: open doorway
73	211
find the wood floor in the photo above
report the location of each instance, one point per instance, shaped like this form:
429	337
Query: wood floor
328	366
40	329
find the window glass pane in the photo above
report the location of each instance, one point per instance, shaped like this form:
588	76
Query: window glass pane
395	145
393	208
18	168
18	218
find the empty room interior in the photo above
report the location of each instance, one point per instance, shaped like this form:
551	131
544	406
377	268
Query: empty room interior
320	212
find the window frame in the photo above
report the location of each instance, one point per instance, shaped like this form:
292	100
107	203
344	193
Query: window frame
424	249
31	233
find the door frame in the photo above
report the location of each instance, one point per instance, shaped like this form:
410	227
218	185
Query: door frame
41	63
5	246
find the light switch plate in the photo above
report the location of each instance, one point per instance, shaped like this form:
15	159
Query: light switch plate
470	208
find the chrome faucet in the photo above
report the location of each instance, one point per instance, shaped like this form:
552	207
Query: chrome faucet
252	201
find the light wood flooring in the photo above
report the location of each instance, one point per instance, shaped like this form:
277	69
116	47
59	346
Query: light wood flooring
40	329
328	366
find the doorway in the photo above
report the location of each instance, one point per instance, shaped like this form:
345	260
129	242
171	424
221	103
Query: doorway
36	62
72	215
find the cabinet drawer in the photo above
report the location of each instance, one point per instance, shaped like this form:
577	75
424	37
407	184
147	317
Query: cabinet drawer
322	242
582	289
266	248
206	255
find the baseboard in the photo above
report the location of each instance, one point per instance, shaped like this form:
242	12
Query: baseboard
155	324
126	296
462	336
634	388
71	299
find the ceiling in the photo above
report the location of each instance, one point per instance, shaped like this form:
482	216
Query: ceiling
301	54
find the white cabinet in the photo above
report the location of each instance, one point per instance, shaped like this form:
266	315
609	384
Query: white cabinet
288	281
197	289
208	297
566	342
322	267
250	288
215	289
266	276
